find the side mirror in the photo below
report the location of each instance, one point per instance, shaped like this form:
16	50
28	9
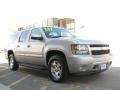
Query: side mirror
37	37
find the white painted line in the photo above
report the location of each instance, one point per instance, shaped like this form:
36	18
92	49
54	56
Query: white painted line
18	81
3	87
2	76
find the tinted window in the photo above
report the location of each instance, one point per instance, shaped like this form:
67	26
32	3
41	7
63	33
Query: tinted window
35	32
23	36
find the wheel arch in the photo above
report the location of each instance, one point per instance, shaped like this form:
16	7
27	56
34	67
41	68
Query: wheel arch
54	52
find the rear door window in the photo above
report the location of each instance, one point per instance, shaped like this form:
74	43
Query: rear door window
24	36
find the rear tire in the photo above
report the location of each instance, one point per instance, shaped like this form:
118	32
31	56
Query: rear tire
13	65
58	69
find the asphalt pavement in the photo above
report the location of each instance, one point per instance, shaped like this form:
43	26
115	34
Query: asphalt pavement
33	79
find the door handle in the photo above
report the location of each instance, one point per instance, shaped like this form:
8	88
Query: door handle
18	46
28	46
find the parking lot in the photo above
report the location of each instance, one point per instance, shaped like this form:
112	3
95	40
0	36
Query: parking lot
32	79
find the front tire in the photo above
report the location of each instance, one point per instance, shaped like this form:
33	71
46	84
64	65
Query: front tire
13	65
58	68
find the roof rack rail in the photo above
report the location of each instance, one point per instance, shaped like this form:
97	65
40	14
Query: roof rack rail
26	27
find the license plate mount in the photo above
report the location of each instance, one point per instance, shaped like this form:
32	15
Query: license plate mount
103	66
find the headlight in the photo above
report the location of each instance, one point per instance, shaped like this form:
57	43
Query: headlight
79	49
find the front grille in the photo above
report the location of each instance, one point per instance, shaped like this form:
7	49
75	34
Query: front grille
99	45
100	52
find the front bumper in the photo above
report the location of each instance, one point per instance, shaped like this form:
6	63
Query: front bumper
86	63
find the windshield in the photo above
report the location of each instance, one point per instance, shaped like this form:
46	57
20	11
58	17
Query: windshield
56	32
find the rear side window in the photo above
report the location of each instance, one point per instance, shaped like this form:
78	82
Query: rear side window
23	36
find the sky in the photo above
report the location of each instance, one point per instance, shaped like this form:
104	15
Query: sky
100	18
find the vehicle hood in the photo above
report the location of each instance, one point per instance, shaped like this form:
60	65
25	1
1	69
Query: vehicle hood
80	41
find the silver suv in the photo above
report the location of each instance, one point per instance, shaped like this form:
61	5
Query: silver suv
58	50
